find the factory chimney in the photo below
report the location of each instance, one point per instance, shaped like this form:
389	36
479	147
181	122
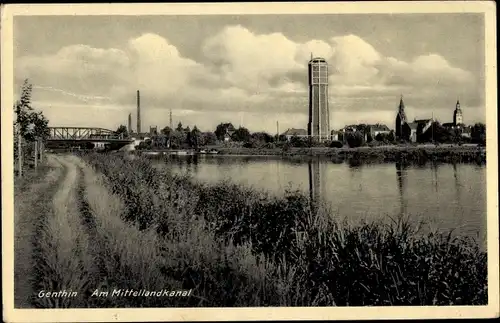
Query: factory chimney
130	123
138	112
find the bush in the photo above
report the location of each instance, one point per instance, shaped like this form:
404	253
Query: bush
336	144
355	139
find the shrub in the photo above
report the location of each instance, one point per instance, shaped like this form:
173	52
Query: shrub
355	139
336	144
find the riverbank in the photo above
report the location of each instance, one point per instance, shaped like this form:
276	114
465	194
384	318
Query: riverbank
405	154
381	153
301	255
102	222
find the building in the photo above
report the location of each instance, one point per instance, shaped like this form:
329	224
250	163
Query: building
153	131
400	119
290	133
409	131
376	129
319	115
335	135
457	115
138	112
458	121
229	130
413	130
129	123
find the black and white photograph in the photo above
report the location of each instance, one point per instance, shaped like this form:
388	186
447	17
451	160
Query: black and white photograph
249	161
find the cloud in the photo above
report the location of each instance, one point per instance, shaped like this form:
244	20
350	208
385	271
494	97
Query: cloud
241	70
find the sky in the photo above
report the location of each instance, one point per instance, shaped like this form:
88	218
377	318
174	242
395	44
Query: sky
250	70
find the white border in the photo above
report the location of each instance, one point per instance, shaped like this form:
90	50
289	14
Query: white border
270	313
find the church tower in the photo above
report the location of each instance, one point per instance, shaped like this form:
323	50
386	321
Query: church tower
400	119
457	115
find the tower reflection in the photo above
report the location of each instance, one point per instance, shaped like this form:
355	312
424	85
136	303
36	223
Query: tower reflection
401	175
317	185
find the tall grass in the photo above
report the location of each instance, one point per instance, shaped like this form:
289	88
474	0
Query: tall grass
307	258
188	256
61	259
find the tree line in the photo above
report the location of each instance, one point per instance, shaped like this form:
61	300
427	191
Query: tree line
185	137
30	130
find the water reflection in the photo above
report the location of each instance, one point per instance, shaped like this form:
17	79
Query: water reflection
359	192
317	182
402	178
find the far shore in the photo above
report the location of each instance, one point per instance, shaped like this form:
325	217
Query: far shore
389	153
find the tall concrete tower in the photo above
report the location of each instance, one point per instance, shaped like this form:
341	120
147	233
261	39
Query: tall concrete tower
129	123
458	115
319	113
138	112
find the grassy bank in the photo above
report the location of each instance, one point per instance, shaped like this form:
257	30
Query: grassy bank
32	197
239	247
385	153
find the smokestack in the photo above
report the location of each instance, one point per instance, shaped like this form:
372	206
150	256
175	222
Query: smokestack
171	122
138	112
130	123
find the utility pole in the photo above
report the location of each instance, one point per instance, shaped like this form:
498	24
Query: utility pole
36	153
432	125
19	151
41	150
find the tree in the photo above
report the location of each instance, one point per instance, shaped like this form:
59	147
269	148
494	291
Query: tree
208	138
241	134
39	127
222	129
122	130
262	137
194	138
166	130
178	139
336	144
179	127
355	139
32	125
478	133
296	141
23	108
391	137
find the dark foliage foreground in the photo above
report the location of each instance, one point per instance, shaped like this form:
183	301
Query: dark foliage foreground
312	259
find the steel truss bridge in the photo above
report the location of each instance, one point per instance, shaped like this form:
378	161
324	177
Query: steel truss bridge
86	138
84	133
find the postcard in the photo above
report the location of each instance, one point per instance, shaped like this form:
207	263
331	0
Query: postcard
249	161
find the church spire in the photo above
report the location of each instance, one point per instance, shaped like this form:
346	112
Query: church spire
401	103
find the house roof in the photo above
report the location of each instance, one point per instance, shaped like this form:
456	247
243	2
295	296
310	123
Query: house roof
380	127
422	120
295	132
412	125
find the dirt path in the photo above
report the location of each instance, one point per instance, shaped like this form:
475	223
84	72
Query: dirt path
51	238
30	206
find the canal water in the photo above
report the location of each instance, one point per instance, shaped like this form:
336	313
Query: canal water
445	196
